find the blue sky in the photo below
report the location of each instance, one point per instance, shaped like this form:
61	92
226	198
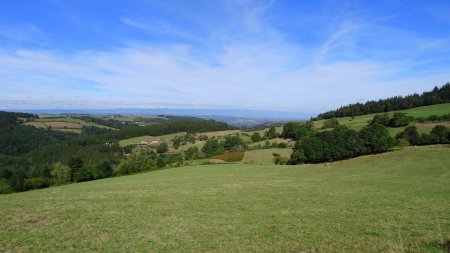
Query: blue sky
305	56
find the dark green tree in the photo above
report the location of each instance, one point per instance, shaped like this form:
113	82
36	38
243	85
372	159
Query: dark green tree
162	148
441	133
75	164
376	138
256	137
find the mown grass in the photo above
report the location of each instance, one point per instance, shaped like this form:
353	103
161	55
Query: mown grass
393	202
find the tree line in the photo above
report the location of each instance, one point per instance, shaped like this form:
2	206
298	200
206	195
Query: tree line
435	96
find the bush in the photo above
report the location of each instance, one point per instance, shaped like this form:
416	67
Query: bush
35	183
400	119
330	123
256	137
281	160
192	153
60	173
234	143
271	133
376	138
410	134
297	157
5	187
212	147
162	148
441	133
297	131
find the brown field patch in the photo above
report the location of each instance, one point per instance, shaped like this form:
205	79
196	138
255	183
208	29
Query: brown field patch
230	156
56	125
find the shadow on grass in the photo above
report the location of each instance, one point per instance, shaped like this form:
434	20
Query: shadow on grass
437	247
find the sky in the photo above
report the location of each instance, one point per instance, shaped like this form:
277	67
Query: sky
297	56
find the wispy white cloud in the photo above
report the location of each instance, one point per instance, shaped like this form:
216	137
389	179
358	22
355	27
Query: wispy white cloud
159	27
252	65
20	33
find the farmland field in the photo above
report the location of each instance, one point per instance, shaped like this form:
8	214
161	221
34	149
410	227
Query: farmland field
392	202
62	123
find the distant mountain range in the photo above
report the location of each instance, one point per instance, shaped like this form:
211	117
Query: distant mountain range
235	117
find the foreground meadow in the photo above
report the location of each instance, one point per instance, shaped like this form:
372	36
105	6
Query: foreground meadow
393	202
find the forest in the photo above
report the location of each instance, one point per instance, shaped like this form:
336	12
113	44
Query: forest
32	158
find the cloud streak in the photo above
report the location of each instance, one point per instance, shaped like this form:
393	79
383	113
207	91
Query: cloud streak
245	63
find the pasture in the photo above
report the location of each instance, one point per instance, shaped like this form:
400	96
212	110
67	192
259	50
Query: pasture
392	202
359	122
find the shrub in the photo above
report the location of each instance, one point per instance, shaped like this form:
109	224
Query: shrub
256	137
281	160
60	173
234	143
410	134
330	123
35	183
5	187
212	147
441	133
162	148
400	119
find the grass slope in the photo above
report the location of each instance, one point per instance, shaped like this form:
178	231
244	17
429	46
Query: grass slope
393	202
265	156
359	122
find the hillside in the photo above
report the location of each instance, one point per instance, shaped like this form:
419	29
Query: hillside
393	202
358	122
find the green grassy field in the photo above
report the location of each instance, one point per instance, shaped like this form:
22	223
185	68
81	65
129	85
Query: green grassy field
359	122
265	156
393	202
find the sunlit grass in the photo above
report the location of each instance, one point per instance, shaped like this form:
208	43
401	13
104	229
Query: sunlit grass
393	202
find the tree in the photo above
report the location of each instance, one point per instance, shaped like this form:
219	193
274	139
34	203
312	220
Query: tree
441	133
162	148
105	168
297	157
297	131
176	142
271	133
400	119
75	164
376	138
234	143
212	147
160	162
192	153
256	137
60	174
382	119
410	134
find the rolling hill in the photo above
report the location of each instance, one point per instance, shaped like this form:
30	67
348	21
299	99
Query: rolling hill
392	202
